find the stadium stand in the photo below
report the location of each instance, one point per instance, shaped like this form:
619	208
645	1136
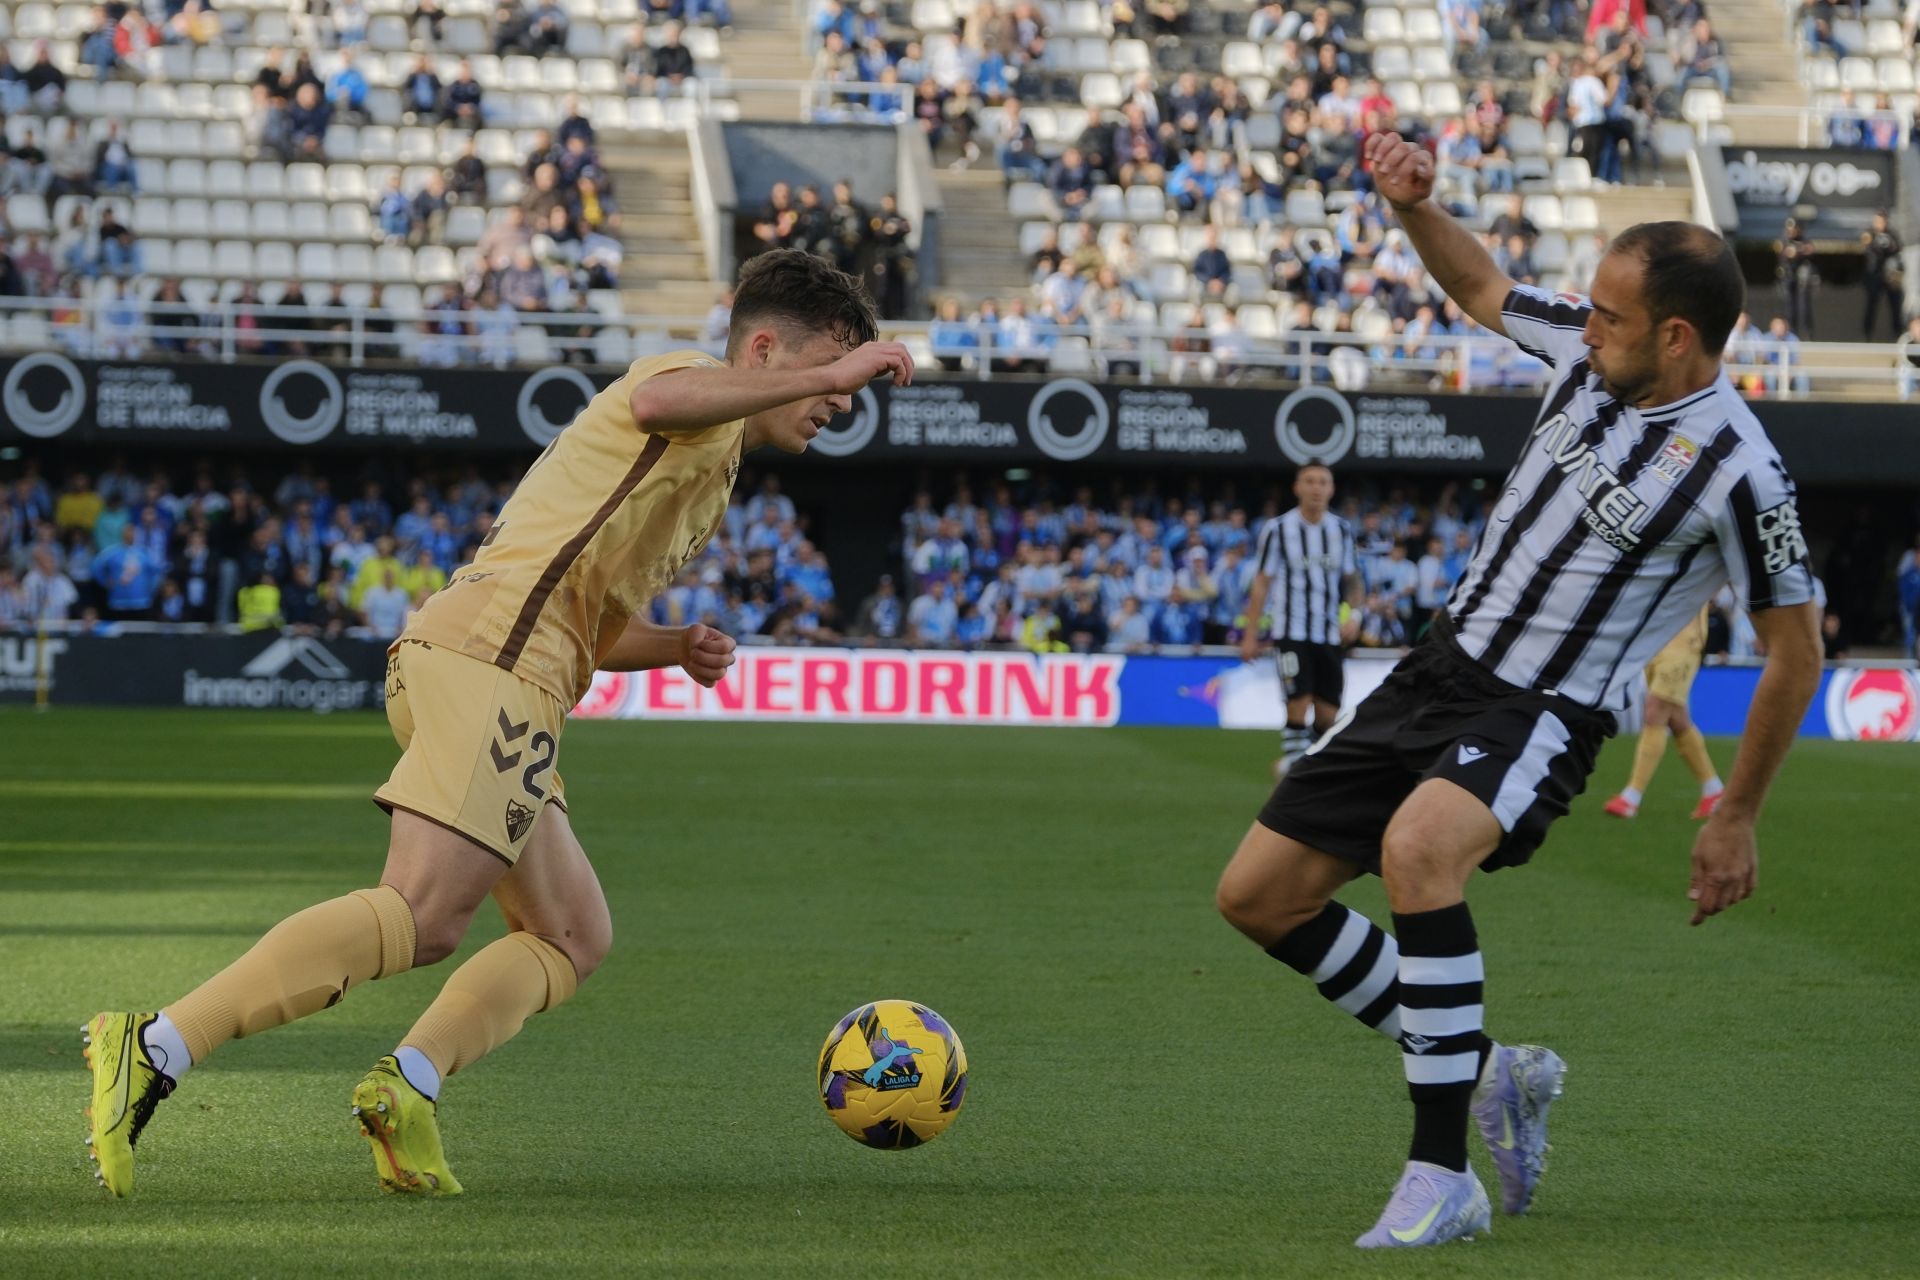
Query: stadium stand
238	149
1137	567
1121	135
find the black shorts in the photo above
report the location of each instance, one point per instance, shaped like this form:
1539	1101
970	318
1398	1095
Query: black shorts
1311	670
1439	714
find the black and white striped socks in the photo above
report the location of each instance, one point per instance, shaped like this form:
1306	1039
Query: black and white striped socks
1352	961
1442	1040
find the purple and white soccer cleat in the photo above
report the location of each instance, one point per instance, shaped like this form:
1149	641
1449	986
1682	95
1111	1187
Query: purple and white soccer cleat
1510	1106
1431	1205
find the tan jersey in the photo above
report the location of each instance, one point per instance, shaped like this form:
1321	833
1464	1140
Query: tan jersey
600	524
1687	645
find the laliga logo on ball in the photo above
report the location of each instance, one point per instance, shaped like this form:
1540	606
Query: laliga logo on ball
540	428
286	424
1064	446
1874	704
43	424
1314	424
838	442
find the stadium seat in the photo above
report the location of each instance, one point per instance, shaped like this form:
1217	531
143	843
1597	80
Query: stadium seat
1441	99
1305	208
187	177
1884	38
233	258
1263	131
1424	27
192	258
1241	58
347	182
1524	136
434	264
350	222
315	261
191	215
1896	76
532	345
1581	214
1392	61
269	220
151	216
1170	282
1108	203
1858	74
1820	74
1430	62
1544	212
1030	200
1145	203
465	223
275	260
307	220
27	213
1703	106
354	262
1101	89
1550	252
1571	173
1381	25
1130	57
1072	355
1158	242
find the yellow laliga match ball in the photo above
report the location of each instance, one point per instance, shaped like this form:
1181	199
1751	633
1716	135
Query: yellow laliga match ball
893	1074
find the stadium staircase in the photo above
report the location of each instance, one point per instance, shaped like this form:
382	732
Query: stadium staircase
664	271
1766	71
979	243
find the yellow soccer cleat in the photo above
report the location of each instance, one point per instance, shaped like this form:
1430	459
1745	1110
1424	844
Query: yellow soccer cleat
127	1086
398	1121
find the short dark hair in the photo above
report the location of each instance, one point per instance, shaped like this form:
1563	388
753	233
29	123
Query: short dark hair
1689	272
795	289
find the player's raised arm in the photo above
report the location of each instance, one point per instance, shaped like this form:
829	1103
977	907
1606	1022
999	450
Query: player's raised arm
702	396
1403	174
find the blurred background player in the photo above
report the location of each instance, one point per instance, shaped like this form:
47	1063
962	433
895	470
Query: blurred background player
1304	572
478	688
1669	682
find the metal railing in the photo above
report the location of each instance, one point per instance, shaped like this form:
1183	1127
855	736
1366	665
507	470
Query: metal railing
357	336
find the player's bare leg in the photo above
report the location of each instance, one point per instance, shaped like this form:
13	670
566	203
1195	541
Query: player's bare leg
433	882
560	932
1692	746
1647	751
1279	892
1435	841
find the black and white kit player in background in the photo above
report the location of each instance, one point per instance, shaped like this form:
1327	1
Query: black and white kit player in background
1304	570
1645	484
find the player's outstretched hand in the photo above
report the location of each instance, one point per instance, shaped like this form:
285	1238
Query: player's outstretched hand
1726	867
1402	172
705	654
871	360
1249	645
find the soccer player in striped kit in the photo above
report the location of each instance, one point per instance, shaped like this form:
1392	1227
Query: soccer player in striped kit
1645	484
1304	571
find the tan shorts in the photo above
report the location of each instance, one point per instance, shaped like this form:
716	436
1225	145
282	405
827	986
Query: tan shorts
1671	676
478	746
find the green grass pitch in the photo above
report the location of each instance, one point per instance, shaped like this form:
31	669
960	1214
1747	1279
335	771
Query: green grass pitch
1150	1097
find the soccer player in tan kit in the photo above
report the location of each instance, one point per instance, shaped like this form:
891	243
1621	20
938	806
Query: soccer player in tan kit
478	689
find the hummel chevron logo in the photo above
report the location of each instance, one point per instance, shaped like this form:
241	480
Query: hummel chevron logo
1416	1043
512	733
1469	754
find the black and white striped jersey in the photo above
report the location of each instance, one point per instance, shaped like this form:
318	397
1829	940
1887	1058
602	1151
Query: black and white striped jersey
1618	523
1306	563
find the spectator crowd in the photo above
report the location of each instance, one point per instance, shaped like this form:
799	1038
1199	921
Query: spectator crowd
1134	571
